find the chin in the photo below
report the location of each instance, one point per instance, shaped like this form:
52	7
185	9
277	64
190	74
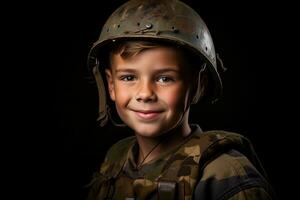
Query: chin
149	131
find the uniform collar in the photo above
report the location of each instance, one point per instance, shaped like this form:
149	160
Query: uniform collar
130	167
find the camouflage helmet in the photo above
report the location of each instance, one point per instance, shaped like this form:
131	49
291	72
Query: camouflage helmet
169	21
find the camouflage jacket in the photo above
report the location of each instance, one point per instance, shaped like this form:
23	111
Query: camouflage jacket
206	165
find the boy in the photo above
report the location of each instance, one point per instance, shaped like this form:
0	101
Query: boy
158	59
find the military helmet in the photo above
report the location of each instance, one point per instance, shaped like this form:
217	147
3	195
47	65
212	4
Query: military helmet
169	21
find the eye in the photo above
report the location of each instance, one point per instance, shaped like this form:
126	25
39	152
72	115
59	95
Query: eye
164	79
127	78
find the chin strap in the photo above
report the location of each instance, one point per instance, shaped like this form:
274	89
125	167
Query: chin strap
221	63
103	108
198	92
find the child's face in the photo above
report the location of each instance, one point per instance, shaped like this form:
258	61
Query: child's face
150	90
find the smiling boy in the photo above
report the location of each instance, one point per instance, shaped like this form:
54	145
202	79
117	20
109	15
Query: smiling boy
151	91
160	62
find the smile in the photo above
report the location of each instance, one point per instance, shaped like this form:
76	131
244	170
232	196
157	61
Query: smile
148	115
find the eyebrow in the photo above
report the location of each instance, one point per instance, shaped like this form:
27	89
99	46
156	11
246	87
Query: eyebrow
156	71
125	70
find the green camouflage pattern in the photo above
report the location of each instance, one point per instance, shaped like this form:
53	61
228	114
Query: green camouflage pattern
232	176
206	165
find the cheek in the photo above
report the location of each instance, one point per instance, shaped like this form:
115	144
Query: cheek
122	95
175	97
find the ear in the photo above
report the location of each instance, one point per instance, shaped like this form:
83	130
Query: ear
110	83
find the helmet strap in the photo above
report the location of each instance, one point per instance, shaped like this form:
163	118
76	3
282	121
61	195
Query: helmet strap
221	63
198	90
103	117
112	120
104	109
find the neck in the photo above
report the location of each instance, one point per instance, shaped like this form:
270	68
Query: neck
151	148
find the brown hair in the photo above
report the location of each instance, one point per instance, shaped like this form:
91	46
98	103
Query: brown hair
128	49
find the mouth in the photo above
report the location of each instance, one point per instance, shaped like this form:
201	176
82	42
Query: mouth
148	114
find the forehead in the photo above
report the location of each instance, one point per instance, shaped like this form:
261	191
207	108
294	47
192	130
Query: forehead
154	58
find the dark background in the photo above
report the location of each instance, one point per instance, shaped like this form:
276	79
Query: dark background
254	40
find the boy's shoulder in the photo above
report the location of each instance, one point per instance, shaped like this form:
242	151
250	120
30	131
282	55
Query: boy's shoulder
231	168
116	156
222	135
117	150
216	142
232	175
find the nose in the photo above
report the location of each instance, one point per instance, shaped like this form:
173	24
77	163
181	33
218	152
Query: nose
145	92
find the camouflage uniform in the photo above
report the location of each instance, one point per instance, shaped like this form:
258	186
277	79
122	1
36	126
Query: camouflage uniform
206	165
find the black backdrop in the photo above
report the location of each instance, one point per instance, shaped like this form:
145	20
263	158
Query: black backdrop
252	40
